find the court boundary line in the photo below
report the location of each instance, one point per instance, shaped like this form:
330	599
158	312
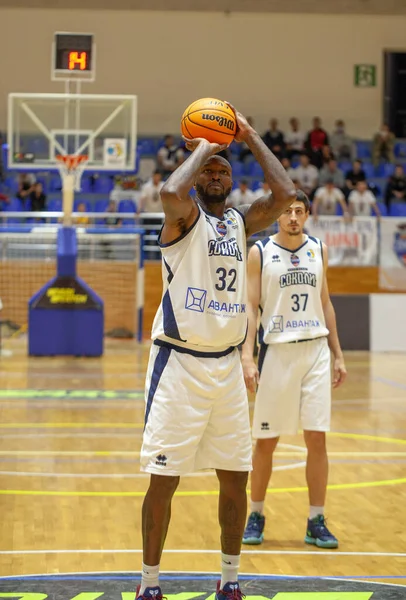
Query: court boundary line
205	551
214	573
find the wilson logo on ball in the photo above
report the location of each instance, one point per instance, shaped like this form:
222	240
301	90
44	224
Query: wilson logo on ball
221	121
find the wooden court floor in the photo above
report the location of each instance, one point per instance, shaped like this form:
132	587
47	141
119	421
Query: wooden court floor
71	490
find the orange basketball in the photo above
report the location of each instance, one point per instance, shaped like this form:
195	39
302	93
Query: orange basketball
210	119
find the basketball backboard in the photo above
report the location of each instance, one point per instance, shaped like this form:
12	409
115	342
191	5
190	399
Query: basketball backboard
42	126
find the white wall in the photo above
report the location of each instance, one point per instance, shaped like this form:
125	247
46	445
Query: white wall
387	322
266	64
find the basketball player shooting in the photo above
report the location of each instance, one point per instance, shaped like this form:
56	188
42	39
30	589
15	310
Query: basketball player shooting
196	413
287	278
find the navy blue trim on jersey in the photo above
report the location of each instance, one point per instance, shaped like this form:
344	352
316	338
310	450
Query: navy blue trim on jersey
160	363
261	356
240	213
261	255
289	250
178	239
322	253
170	274
315	240
196	353
169	319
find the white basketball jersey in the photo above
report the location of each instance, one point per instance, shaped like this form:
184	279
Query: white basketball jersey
291	284
203	305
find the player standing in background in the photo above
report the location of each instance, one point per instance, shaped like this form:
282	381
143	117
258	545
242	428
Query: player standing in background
196	404
287	282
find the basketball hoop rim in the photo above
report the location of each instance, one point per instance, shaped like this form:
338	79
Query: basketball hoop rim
71	161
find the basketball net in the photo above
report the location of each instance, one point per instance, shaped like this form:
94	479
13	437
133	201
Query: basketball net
71	167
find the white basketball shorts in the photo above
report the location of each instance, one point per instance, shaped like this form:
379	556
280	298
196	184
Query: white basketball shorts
196	414
294	389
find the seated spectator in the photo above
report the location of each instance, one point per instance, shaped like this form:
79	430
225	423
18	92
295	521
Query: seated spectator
82	220
356	174
294	139
326	155
286	165
169	157
112	221
361	200
306	175
274	139
241	195
383	145
38	198
150	201
396	187
26	183
2	172
326	199
263	192
341	144
331	172
316	139
245	152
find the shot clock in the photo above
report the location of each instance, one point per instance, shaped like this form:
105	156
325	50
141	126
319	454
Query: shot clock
74	56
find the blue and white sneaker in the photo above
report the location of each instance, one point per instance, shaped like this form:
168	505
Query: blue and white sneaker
231	591
254	531
318	534
149	594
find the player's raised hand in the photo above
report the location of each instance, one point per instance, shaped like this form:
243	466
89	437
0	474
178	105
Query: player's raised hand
339	372
193	143
251	375
243	127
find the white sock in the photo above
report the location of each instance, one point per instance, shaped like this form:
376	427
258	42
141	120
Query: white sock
150	577
229	568
314	511
257	507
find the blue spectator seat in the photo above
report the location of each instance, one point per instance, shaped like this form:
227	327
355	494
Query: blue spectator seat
11	183
127	206
382	208
103	185
339	210
86	184
363	149
397	209
55	205
255	170
101	205
238	168
369	170
345	166
235	148
400	149
146	146
385	170
256	185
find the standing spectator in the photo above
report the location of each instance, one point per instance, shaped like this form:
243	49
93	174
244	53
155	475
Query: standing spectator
341	144
326	199
262	192
316	139
169	157
383	145
396	187
306	175
241	195
331	171
150	201
294	139
26	183
274	139
361	200
245	152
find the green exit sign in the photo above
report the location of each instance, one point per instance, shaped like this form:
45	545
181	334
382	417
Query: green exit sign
365	75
